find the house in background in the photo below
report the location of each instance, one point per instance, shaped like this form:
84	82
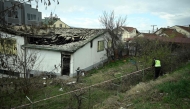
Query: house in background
128	33
20	16
55	22
183	30
68	50
169	32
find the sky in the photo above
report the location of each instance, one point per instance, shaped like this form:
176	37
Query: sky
141	14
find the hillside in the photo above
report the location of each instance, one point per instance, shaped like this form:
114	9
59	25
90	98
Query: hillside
116	85
171	91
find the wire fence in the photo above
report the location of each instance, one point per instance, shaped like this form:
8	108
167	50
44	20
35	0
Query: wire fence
87	97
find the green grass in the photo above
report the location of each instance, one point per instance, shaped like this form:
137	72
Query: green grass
176	92
173	94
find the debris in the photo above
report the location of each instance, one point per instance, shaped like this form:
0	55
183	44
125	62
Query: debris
72	82
122	108
61	89
129	104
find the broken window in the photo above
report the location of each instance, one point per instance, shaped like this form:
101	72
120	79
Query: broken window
100	45
60	25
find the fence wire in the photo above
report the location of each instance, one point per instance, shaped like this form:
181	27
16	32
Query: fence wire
88	97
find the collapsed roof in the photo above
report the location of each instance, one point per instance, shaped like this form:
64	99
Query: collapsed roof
85	36
62	36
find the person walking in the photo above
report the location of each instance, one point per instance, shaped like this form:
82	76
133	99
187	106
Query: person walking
157	66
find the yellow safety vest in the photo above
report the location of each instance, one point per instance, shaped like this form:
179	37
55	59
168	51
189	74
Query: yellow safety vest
157	63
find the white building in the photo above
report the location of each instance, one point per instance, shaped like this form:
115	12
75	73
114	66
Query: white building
64	59
128	33
61	52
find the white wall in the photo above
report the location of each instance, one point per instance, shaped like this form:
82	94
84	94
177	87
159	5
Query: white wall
19	42
46	61
127	34
87	57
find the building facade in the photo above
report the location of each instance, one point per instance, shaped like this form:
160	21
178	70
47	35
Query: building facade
24	15
67	58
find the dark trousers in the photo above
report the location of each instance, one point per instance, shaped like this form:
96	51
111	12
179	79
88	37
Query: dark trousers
157	72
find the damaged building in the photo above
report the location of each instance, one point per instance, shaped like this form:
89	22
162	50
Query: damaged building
62	51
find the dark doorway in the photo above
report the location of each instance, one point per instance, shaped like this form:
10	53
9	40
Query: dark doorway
65	64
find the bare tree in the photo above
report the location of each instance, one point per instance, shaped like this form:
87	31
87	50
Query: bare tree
112	25
18	64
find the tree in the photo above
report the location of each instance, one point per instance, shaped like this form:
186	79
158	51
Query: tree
170	54
112	25
15	60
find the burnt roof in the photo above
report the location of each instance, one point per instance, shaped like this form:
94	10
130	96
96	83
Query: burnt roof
68	47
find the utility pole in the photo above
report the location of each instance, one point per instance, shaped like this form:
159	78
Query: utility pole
153	28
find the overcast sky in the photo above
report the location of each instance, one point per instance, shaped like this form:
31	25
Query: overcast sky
141	14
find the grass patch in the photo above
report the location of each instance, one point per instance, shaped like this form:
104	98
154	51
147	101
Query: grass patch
173	93
176	92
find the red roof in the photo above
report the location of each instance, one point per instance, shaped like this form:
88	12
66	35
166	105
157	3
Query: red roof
172	33
130	29
149	34
185	28
166	39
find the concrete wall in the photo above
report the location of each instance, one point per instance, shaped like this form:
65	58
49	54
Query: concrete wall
49	61
19	53
12	20
86	57
22	14
1	6
29	10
